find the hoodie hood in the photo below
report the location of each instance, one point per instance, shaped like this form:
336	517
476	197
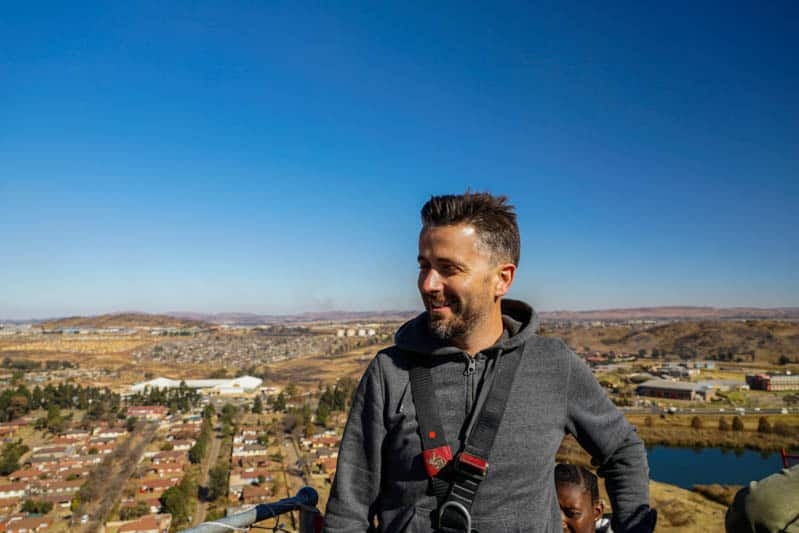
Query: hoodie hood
519	319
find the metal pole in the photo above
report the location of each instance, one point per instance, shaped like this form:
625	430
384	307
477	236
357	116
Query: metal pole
306	498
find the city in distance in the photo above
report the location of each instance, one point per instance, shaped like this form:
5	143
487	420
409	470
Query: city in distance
134	419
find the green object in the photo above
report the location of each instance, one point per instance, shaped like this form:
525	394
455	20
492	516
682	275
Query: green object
768	505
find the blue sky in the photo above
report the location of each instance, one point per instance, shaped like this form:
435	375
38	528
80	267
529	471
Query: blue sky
272	157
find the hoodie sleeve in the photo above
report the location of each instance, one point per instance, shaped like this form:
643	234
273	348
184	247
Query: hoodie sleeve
602	431
353	496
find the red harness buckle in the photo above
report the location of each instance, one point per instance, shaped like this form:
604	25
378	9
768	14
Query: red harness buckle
436	458
481	465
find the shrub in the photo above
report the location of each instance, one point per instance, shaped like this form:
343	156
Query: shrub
763	425
737	423
696	422
723	424
783	429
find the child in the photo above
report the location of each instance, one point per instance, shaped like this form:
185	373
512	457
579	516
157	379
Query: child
578	497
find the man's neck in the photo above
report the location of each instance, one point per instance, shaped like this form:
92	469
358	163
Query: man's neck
480	340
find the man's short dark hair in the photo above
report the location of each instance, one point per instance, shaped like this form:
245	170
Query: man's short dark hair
569	474
491	216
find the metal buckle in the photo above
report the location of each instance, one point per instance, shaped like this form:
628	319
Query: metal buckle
458	507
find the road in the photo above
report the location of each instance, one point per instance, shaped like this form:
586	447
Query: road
124	463
710	411
210	459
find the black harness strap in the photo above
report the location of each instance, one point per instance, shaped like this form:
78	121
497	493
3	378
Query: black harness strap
456	486
436	451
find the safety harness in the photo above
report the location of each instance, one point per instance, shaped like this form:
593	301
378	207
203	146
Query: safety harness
454	480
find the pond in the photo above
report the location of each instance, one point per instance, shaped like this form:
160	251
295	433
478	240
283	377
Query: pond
686	467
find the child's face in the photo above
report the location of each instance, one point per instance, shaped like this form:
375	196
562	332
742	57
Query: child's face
577	510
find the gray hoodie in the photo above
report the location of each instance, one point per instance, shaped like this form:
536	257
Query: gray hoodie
380	472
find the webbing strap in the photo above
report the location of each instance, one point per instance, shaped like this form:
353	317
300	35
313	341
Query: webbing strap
436	451
481	437
469	467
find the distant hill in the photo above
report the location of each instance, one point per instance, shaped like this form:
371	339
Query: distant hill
254	319
676	313
191	319
749	340
123	320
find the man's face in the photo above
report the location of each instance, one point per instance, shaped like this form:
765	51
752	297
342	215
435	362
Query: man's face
578	512
457	280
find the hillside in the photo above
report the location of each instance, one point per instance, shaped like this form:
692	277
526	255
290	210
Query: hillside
254	319
123	320
758	340
677	313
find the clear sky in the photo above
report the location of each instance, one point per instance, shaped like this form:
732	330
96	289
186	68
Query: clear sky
272	157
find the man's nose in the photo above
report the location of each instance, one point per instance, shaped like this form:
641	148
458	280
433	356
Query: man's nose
431	281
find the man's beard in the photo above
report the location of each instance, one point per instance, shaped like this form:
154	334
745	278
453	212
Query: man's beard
455	327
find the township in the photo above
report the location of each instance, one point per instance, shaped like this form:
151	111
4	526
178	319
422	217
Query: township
134	429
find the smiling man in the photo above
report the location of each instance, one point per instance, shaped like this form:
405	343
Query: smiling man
456	427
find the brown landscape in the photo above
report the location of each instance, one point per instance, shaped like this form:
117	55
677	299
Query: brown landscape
117	351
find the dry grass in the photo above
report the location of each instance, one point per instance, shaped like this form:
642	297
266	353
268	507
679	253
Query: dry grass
309	371
683	511
722	494
676	430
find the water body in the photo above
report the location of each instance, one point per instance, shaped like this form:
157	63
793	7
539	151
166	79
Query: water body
686	467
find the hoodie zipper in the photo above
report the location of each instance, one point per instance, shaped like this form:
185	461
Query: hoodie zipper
471	366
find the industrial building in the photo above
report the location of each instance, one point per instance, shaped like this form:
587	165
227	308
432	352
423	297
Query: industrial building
675	390
773	382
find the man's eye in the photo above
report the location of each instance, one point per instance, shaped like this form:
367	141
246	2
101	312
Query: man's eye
572	513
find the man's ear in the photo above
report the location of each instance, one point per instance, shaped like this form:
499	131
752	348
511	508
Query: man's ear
505	275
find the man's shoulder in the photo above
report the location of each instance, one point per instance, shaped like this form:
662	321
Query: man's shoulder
392	361
547	346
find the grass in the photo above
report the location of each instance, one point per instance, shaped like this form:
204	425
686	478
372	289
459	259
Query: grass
676	430
722	494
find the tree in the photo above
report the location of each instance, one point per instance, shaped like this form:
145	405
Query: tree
218	482
322	414
783	429
723	424
310	430
130	423
783	360
696	422
737	423
258	405
176	503
763	425
280	402
133	511
37	507
197	452
9	459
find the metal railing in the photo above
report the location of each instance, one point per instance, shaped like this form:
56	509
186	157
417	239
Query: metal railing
304	501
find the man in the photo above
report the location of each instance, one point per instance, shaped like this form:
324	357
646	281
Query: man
468	253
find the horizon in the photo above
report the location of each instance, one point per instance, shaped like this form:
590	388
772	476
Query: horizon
186	314
273	159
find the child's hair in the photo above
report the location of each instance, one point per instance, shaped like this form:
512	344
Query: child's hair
570	474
